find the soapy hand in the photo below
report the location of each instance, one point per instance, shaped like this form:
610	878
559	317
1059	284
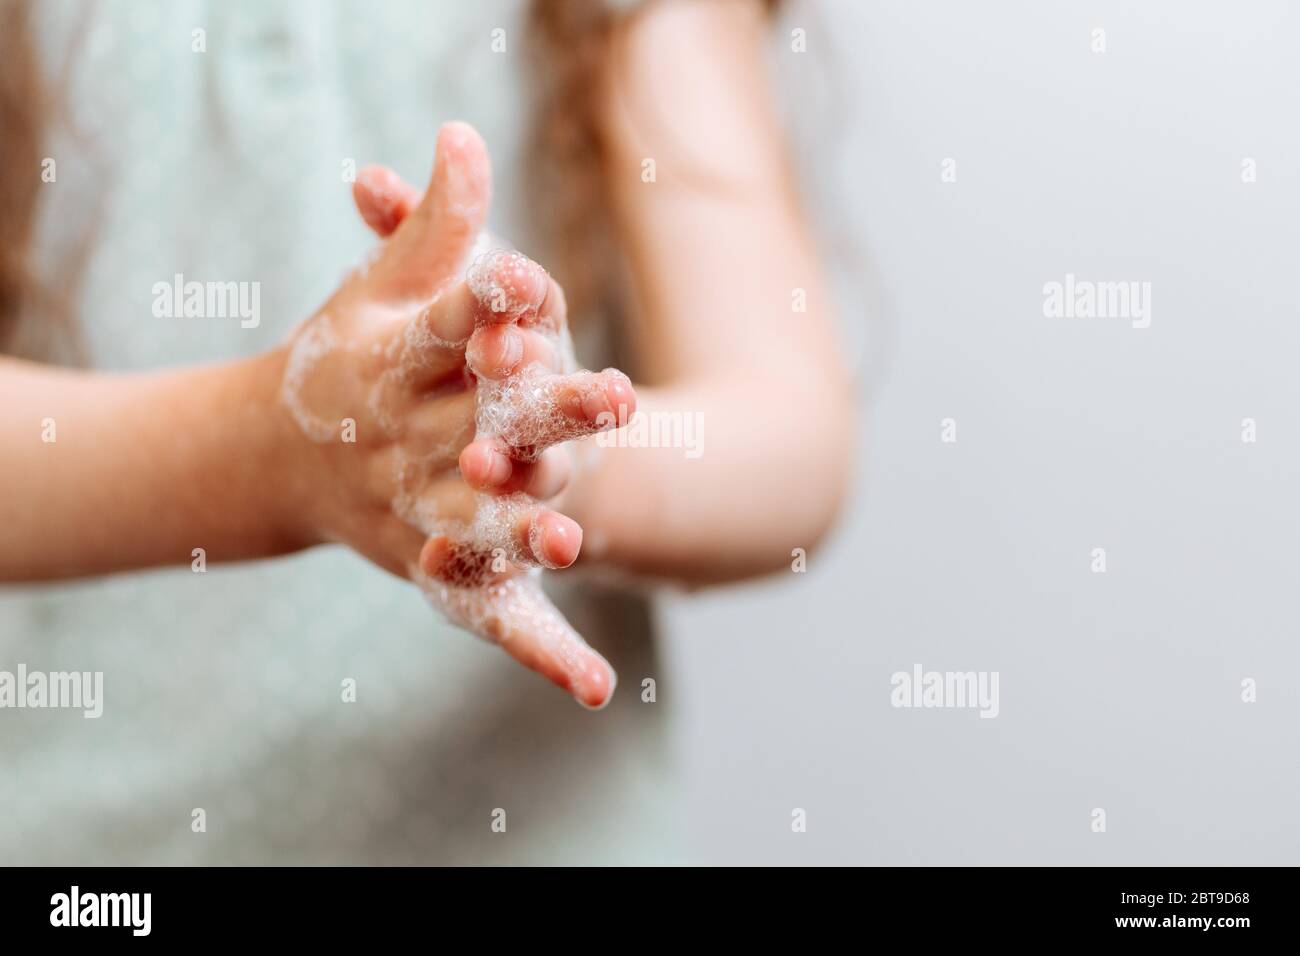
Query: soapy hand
431	398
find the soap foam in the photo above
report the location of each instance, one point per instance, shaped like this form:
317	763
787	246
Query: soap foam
477	590
532	410
313	343
505	281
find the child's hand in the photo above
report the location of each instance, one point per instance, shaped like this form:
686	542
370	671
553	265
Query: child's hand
429	403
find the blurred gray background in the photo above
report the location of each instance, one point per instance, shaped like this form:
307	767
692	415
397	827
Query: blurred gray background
1119	690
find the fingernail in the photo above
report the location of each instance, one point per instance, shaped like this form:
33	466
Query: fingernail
499	469
512	351
560	536
599	675
623	398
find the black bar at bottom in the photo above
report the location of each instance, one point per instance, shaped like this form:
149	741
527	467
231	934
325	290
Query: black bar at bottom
336	906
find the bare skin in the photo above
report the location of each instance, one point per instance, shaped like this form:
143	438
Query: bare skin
716	246
148	467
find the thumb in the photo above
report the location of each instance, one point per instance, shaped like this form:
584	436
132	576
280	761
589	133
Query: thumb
431	243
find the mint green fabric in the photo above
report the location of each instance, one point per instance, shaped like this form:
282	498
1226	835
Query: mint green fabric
223	689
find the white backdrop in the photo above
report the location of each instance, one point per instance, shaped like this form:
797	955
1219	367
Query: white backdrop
1121	690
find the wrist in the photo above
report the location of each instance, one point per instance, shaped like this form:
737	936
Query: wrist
279	454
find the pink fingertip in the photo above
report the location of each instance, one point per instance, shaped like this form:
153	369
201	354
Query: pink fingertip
376	192
609	407
598	684
508	284
434	555
622	399
496	351
559	540
457	135
483	466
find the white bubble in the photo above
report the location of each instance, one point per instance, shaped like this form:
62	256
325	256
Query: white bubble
313	343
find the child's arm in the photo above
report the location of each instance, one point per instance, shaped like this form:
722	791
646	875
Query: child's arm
355	432
718	247
111	472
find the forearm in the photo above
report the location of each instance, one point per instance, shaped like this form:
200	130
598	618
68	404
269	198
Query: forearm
732	320
107	473
709	484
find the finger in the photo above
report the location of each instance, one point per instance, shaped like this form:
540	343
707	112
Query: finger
511	527
460	191
486	465
431	244
553	313
499	351
454	563
502	287
433	341
595	400
446	322
553	540
532	631
417	364
509	284
532	414
383	198
517	615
